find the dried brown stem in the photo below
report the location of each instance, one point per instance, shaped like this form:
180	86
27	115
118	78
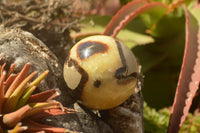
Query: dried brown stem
53	14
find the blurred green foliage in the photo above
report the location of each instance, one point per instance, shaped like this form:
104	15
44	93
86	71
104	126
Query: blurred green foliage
156	121
124	2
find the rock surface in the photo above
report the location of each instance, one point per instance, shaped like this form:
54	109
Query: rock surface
20	47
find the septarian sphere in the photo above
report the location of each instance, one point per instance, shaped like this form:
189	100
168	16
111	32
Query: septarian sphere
102	71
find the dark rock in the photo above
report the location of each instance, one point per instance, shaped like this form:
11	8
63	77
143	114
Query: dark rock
128	117
20	47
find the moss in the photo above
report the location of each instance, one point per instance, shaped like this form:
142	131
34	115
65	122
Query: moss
156	121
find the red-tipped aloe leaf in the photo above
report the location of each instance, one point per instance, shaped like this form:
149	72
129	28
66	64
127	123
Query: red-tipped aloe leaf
29	90
37	81
39	107
22	101
2	67
189	76
12	101
13	118
51	112
11	70
22	75
130	11
44	96
9	81
34	127
2	78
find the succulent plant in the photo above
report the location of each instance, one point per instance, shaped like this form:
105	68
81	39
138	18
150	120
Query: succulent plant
20	110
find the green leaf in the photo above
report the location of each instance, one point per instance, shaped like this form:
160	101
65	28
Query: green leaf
161	63
132	39
158	88
169	25
196	12
22	101
93	25
148	57
152	16
124	2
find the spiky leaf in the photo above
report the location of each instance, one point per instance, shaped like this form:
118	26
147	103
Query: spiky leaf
189	77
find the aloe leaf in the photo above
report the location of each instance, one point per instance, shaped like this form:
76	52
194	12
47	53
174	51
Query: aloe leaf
2	78
11	70
22	101
131	35
169	25
124	2
34	127
124	12
189	76
9	81
13	118
37	81
176	3
196	12
44	96
12	101
132	39
149	58
132	10
21	76
2	68
18	128
29	90
51	112
39	107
